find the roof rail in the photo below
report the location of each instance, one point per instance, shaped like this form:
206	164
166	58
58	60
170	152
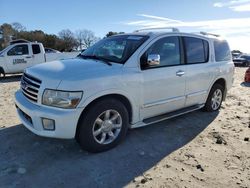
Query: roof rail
205	33
19	41
171	28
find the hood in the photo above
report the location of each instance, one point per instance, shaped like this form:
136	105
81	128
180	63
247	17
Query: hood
71	69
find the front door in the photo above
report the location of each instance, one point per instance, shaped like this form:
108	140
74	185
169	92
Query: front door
163	84
18	58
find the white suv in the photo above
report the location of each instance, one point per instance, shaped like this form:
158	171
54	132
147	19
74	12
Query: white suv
125	81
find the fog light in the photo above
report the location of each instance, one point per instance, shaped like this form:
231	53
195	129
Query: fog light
48	124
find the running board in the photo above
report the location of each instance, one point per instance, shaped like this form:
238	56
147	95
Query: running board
171	114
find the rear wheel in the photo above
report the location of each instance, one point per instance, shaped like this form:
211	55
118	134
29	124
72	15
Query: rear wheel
103	126
215	98
2	73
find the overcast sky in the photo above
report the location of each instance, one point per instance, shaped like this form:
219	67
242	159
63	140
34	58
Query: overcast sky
227	18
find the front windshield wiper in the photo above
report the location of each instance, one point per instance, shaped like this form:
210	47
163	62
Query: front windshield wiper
96	58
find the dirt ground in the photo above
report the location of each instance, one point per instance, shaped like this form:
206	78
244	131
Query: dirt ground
198	149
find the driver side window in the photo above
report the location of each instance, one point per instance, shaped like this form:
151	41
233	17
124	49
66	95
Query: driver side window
168	48
18	50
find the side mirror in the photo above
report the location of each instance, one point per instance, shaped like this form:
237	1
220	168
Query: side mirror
153	59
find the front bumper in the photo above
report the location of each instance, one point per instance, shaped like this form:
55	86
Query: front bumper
238	63
31	116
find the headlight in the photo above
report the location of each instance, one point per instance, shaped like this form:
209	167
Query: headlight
61	99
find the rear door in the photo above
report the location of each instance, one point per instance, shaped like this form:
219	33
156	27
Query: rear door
38	54
199	70
18	58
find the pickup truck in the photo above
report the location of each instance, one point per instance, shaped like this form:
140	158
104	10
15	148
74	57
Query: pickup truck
19	56
125	81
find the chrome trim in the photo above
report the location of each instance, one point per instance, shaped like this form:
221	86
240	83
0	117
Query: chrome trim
163	102
32	81
175	115
155	28
142	124
197	93
25	93
180	73
30	87
32	92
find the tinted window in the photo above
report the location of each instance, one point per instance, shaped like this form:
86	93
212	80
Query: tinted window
245	57
36	49
169	50
222	51
19	50
197	50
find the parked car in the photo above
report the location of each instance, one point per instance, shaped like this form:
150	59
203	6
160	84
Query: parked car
236	54
22	54
247	75
50	50
243	60
81	52
125	81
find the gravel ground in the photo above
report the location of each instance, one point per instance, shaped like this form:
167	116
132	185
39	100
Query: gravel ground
198	149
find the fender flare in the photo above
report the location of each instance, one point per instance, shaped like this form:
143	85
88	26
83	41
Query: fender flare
134	109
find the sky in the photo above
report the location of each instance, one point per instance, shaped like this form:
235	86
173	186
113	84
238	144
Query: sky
228	18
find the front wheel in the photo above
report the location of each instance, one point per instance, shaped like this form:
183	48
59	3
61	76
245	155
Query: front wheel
214	99
103	126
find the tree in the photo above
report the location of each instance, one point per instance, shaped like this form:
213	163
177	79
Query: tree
7	34
18	27
68	40
79	34
85	38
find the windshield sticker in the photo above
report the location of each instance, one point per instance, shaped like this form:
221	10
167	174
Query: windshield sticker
19	61
134	38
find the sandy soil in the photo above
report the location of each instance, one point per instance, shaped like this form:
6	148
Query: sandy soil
195	150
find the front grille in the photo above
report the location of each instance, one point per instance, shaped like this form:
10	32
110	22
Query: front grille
30	87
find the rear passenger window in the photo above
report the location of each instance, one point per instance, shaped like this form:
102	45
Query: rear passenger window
197	50
222	51
36	49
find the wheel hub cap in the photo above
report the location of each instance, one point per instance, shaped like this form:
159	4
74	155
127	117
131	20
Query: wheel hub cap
216	99
107	127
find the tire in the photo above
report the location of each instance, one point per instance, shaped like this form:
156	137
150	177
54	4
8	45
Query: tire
215	98
104	117
2	73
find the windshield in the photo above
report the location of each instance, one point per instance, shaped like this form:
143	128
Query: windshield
1	52
115	49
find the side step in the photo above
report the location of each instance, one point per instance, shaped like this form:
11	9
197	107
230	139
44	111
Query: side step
171	114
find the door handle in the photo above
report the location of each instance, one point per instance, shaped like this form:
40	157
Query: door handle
180	73
28	57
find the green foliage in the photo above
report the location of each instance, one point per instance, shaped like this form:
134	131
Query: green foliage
66	40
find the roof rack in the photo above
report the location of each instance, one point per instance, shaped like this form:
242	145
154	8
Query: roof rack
205	33
19	41
146	29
